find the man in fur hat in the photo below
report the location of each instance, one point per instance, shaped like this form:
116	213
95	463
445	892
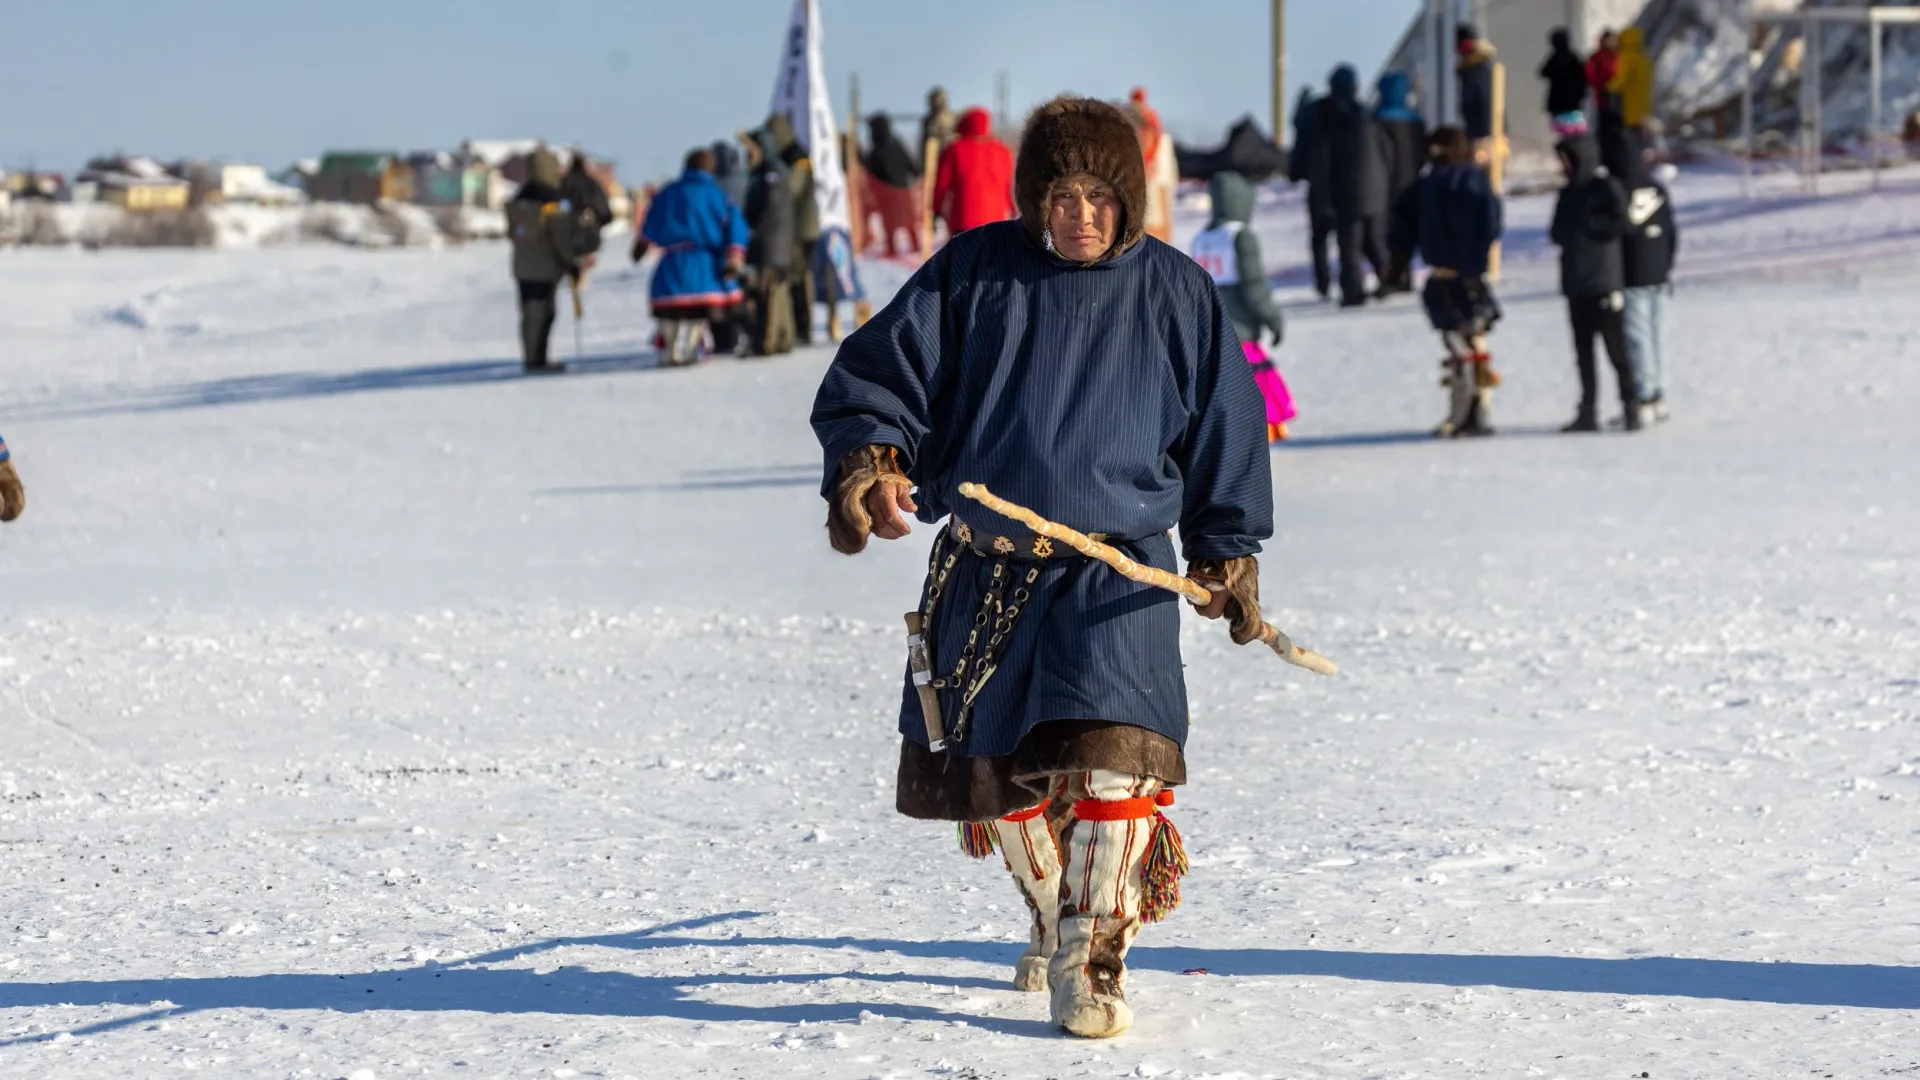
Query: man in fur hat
1073	365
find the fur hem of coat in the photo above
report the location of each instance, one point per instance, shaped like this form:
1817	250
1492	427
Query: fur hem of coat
1081	135
947	787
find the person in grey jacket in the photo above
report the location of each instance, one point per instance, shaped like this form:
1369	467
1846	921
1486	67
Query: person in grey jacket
1230	254
546	251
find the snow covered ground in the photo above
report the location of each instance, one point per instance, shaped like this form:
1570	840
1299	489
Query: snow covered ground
372	711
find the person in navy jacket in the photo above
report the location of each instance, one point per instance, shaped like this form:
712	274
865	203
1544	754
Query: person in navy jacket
1075	366
1451	218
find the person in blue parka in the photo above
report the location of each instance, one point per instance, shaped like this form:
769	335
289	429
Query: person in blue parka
1073	365
702	240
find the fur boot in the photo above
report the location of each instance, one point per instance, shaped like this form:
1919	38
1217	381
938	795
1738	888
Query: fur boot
13	496
1029	841
1101	896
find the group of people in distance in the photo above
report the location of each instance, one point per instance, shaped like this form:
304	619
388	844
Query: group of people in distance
1387	190
741	259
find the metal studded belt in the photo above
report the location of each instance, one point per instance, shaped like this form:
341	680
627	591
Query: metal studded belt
1019	549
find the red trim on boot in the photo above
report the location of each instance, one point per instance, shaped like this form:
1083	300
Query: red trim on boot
1122	809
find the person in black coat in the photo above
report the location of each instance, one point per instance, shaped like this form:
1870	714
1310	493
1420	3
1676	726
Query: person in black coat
1349	162
1588	222
1647	252
1451	218
1403	134
771	251
1320	221
1565	74
730	172
1474	70
586	200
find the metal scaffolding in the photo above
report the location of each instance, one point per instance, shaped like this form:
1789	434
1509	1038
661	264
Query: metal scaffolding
1812	91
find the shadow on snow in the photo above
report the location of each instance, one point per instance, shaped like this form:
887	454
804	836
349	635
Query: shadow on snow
474	986
290	386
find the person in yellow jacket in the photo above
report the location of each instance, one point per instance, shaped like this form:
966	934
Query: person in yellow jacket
1632	80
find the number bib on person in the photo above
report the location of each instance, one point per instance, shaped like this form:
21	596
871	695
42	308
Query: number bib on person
1213	250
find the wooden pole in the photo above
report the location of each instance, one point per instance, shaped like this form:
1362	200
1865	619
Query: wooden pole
1746	102
1270	635
1279	72
1497	158
857	219
930	158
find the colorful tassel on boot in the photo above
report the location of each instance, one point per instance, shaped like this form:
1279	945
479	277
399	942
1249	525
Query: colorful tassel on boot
1160	874
976	839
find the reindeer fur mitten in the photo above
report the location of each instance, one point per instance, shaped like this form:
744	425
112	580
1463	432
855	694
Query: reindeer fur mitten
848	521
13	497
1239	578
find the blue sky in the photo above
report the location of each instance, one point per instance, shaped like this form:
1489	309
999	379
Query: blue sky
638	80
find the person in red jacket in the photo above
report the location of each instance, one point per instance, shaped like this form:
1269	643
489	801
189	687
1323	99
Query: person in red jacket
975	183
1601	68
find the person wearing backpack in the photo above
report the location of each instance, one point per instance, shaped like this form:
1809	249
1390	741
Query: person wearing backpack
546	251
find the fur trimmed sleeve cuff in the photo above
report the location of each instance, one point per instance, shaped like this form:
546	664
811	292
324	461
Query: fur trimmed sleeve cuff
848	522
1240	578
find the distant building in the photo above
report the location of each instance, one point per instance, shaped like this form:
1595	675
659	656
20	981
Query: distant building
233	182
362	176
34	185
457	179
137	183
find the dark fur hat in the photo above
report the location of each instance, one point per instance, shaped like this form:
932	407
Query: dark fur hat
1450	146
1081	135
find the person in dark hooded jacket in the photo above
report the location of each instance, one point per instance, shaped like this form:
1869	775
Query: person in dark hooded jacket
893	182
772	249
1588	222
1565	74
1230	253
1474	70
586	199
1404	137
1647	252
1349	161
730	172
1451	218
1320	219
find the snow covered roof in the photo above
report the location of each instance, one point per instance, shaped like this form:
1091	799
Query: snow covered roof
497	152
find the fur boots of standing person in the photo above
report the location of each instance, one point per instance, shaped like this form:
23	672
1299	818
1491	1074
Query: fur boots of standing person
1451	219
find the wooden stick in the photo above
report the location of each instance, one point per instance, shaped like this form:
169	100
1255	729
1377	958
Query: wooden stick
1270	635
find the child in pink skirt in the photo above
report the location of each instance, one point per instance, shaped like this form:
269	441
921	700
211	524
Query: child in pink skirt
1229	251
